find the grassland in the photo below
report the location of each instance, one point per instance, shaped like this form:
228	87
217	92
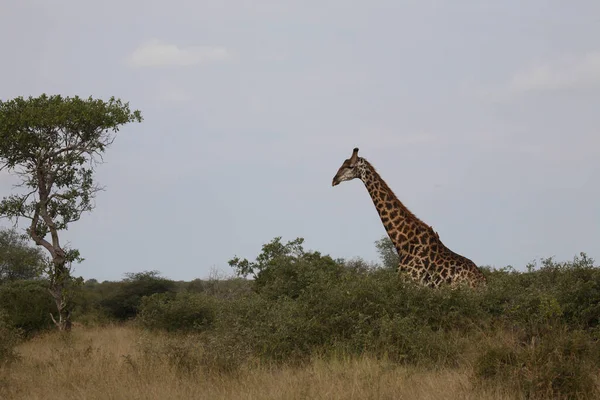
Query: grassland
114	362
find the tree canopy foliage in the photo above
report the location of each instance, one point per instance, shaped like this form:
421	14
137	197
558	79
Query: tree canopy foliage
52	144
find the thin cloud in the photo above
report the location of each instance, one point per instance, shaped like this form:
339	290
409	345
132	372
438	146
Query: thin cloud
156	53
574	73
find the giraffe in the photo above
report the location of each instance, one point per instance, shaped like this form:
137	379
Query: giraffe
423	256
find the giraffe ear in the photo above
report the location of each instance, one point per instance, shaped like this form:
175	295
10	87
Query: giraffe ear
354	157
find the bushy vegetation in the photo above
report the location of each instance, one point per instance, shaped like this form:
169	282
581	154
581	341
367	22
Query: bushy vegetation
123	301
178	311
27	305
534	331
562	363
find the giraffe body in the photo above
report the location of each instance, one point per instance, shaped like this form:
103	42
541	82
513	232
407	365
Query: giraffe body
423	256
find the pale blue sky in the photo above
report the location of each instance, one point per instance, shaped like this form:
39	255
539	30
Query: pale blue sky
483	117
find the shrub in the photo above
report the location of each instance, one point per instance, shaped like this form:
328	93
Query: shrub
123	301
407	340
561	365
354	316
576	287
177	312
28	305
287	269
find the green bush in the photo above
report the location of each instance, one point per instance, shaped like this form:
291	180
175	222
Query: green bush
177	312
352	316
123	300
86	299
561	365
304	303
409	340
28	305
287	270
576	287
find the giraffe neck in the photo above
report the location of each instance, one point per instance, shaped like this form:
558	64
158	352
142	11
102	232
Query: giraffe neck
422	254
399	222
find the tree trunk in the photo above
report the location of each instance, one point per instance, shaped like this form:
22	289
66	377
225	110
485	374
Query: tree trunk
64	319
60	290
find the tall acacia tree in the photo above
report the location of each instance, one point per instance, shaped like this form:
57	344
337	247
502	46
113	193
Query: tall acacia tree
52	144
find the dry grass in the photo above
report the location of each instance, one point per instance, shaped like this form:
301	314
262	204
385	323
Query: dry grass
110	363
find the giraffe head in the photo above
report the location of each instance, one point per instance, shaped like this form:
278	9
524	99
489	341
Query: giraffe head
350	169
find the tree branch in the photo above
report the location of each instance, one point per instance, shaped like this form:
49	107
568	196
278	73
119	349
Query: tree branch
60	151
40	241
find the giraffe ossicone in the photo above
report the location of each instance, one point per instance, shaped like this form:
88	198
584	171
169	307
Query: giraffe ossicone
423	256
